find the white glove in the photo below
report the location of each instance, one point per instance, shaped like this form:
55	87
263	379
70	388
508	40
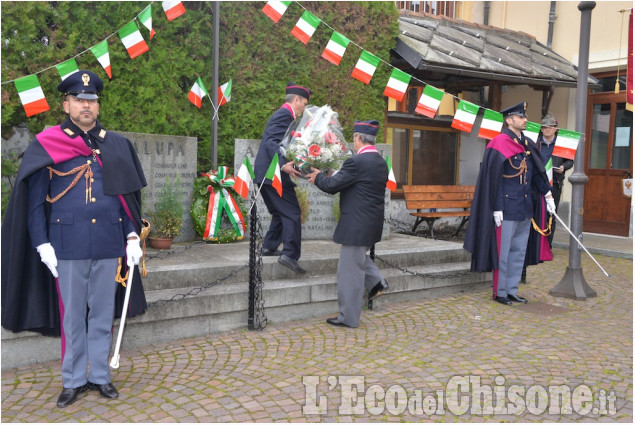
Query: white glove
47	254
498	218
133	250
551	205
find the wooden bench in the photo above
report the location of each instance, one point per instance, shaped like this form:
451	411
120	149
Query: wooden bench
434	197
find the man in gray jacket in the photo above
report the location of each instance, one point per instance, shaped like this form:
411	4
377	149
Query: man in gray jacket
361	183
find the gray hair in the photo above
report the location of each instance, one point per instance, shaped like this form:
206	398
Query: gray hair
366	138
290	98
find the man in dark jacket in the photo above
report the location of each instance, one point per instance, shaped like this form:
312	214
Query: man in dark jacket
502	210
286	226
361	183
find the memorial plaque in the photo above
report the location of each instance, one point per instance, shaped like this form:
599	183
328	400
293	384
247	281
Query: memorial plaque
321	222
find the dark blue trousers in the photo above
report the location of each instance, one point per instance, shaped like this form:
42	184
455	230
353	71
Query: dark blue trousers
286	225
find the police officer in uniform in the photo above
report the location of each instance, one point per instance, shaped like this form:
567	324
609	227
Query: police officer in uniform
80	228
502	209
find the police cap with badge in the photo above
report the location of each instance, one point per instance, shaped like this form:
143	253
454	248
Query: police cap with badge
82	85
518	110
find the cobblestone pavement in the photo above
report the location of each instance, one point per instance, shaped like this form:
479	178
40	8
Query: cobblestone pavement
292	372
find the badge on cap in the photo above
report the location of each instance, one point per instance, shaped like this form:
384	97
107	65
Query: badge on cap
86	79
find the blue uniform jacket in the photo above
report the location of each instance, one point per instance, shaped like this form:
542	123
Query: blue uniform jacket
275	130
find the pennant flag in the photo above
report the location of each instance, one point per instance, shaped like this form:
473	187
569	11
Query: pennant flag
397	84
491	125
566	144
197	92
335	48
429	101
173	9
465	116
243	178
225	93
274	9
305	27
133	40
549	170
101	53
392	182
365	67
532	130
145	18
31	95
66	69
273	174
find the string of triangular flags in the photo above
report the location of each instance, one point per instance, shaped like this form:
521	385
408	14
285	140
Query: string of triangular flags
430	100
29	89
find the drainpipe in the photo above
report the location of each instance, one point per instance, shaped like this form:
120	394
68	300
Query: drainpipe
552	20
486	13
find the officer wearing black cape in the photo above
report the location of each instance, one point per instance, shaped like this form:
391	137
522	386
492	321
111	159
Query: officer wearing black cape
72	224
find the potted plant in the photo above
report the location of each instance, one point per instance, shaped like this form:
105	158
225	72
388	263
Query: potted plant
167	217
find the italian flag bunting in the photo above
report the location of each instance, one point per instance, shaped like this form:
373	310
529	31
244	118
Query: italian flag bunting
173	9
273	174
66	69
145	18
132	40
274	9
549	170
31	95
305	27
491	125
225	93
429	101
566	144
197	92
531	131
335	48
465	116
392	182
101	53
243	178
365	67
397	84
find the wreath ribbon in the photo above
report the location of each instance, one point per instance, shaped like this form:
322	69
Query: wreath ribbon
221	200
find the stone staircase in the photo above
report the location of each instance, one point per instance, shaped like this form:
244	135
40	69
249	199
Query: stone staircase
186	305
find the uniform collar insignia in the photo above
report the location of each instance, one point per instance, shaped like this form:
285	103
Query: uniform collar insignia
102	133
69	131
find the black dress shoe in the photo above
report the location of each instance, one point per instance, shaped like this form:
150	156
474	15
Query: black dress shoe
106	390
378	290
271	252
69	395
291	263
335	322
517	299
503	300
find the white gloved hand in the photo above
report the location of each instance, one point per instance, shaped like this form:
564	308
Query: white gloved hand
551	205
133	250
498	218
48	257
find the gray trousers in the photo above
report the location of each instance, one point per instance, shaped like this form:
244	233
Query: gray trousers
86	286
355	271
514	236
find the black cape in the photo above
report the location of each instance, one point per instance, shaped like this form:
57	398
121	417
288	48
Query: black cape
29	295
480	237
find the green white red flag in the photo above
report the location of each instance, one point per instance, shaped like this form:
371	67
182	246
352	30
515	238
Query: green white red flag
305	27
274	9
133	40
532	130
566	144
549	170
101	53
429	101
335	48
491	124
465	116
243	178
365	67
31	95
392	182
173	9
397	84
225	93
145	17
197	92
66	69
273	174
